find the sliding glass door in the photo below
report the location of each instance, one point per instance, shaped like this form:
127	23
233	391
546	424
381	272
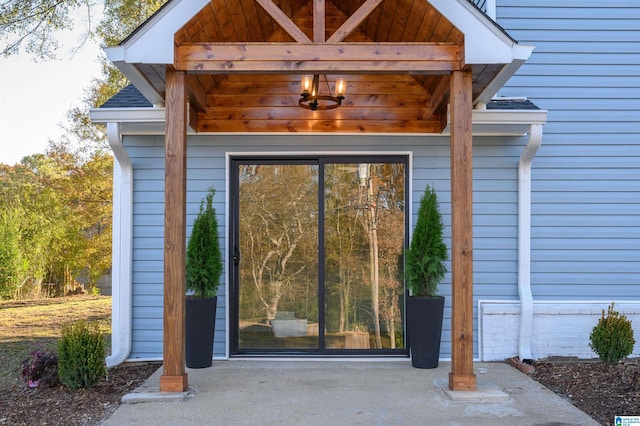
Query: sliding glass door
317	264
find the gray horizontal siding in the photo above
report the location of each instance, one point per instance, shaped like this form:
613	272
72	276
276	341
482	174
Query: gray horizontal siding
586	176
495	221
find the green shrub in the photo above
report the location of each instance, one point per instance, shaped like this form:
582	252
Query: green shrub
425	258
612	338
81	355
204	258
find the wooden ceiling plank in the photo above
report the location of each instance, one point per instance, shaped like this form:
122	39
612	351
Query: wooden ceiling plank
441	30
371	24
155	74
251	18
319	8
399	23
429	20
223	18
384	26
284	21
416	14
194	30
239	21
354	21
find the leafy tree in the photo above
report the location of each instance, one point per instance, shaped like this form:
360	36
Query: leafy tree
57	224
12	266
56	221
31	25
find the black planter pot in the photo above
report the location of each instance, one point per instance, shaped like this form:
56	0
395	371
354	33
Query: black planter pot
424	329
200	324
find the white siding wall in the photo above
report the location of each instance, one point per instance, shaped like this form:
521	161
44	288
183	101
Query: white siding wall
495	197
586	176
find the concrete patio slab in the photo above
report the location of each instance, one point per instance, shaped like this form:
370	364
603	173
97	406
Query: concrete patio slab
294	392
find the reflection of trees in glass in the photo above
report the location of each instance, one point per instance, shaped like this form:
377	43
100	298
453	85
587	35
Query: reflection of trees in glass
278	216
364	229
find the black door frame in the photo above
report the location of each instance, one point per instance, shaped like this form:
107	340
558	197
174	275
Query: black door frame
234	258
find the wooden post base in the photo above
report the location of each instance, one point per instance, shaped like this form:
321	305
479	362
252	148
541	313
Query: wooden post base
174	383
459	382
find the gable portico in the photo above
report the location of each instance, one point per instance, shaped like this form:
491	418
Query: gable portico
204	72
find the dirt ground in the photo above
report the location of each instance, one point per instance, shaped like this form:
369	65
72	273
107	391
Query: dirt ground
601	390
61	406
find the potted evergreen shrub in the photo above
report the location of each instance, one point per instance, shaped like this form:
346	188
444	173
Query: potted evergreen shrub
203	269
425	268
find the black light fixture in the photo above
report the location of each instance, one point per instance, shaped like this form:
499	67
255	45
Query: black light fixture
313	100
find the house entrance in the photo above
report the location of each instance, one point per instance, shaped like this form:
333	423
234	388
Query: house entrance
317	249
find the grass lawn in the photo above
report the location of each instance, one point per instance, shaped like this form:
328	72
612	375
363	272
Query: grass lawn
29	325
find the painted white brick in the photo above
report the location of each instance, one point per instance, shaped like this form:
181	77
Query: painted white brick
559	328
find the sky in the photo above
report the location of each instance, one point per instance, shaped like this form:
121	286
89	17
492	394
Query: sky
36	96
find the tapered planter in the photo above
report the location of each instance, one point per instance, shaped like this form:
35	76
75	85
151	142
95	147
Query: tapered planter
424	328
200	324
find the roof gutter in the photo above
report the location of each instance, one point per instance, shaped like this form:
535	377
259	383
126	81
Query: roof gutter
524	242
121	248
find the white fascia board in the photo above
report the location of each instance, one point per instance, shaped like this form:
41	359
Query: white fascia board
153	42
505	122
485	43
127	115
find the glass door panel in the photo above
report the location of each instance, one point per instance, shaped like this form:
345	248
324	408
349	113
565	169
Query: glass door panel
318	246
364	232
278	257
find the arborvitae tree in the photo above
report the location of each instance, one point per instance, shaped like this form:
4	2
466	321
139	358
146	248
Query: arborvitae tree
204	259
427	253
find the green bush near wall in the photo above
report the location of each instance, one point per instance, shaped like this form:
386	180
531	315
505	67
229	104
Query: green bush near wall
81	355
612	338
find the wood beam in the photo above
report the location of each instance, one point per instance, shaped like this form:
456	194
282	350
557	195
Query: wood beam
284	21
318	21
461	377
334	58
321	125
354	21
174	377
196	93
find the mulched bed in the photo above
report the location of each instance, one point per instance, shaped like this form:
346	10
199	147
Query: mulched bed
21	405
601	390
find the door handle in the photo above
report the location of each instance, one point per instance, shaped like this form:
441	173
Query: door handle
236	255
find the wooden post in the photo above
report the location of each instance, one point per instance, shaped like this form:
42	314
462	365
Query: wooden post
461	376
174	377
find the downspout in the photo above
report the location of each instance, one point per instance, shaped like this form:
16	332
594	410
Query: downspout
524	242
121	248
